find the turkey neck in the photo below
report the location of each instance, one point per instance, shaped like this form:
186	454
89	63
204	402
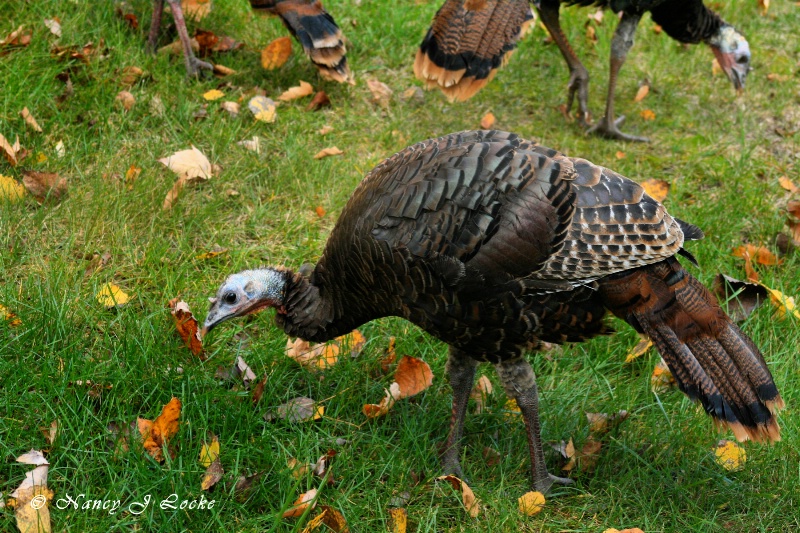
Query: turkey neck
687	21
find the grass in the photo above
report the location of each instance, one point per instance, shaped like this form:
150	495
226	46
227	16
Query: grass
721	154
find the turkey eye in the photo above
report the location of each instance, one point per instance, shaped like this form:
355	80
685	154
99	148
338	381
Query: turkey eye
742	60
229	298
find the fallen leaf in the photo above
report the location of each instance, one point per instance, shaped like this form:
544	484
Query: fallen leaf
487	121
293	93
276	53
209	452
126	99
301	503
788	184
591	33
191	165
196	9
231	107
187	327
162	429
640	349
759	254
647	114
319	101
51	432
662	379
742	297
10	318
784	304
730	455
31	498
411	377
297	410
213	473
245	483
391	355
172	195
18	37
263	108
619	155
602	423
763	7
320	211
111	296
131	175
258	390
44	185
531	503
221	70
480	392
325	152
11	190
333	519
29	120
471	503
244	370
54	26
130	75
398	519
372	410
213	94
217	250
299	470
381	93
10	151
414	94
209	43
321	467
324	130
643	91
254	144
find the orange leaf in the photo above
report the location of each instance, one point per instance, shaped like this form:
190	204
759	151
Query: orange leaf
647	114
320	211
187	326
759	254
788	184
641	93
487	121
657	189
276	53
325	152
471	503
300	504
413	376
163	428
662	379
620	155
196	9
293	93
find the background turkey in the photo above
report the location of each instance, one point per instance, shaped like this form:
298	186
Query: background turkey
310	24
493	244
470	39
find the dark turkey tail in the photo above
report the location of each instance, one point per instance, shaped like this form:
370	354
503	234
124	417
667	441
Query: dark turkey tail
710	357
316	31
468	41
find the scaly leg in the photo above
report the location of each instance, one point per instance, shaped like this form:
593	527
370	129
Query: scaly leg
461	371
519	382
155	26
578	75
193	65
608	126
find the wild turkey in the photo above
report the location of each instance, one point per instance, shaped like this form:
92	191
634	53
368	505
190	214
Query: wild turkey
310	24
470	39
494	244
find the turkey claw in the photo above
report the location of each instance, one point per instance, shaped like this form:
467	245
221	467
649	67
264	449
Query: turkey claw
579	83
544	485
194	66
611	131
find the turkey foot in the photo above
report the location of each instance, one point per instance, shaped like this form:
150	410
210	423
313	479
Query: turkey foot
543	485
460	369
579	83
611	131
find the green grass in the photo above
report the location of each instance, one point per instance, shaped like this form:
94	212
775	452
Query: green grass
721	153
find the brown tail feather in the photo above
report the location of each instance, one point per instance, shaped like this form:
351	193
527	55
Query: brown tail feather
467	42
316	31
710	357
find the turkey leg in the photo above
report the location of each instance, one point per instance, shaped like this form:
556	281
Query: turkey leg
155	26
608	126
519	382
461	371
193	65
578	75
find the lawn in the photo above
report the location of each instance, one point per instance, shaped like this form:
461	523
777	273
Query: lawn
722	154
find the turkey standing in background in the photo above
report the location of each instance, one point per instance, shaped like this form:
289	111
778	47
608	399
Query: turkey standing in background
310	24
493	244
470	39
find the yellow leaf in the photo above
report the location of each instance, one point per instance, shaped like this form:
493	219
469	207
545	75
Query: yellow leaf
10	189
325	152
531	503
293	93
12	319
111	296
263	108
212	253
163	428
647	114
276	53
487	121
209	452
196	9
300	504
763	6
639	350
511	410
662	379
399	520
213	94
788	184
657	189
212	474
730	455
785	304
471	503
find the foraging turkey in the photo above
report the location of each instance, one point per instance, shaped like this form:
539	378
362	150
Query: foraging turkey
470	39
494	244
310	24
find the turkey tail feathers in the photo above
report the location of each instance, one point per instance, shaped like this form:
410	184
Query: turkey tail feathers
468	41
315	29
710	357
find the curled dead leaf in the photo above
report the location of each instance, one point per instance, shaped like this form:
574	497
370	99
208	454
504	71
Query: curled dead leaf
44	185
326	152
471	503
301	503
642	92
742	297
29	120
319	101
293	93
157	433
187	327
276	53
213	473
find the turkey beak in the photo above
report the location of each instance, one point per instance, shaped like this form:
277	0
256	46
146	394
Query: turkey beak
211	318
736	72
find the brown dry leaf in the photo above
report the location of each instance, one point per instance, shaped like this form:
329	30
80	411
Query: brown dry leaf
10	318
656	189
319	101
324	130
759	254
254	144
29	120
743	297
258	390
209	43
215	251
172	195
130	75
788	184
643	91
196	9
300	504
315	522
162	429
213	473
293	93
332	518
381	93
44	185
126	99
209	452
263	108
51	432
647	114
276	53
619	155
662	379
111	296
190	165
487	121
640	349
325	152
398	519
131	175
531	503
320	211
18	37
54	25
597	16
10	189
784	304
231	107
187	327
297	410
32	497
411	377
221	70
730	455
243	369
323	355
763	7
471	503
795	227
10	151
602	423
480	392
591	33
